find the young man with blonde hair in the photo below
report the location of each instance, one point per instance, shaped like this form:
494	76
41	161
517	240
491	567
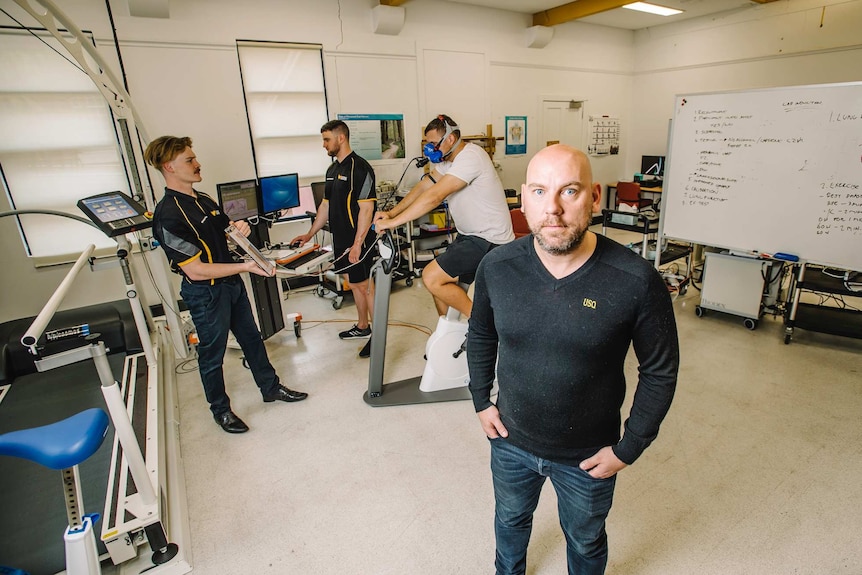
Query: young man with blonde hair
190	227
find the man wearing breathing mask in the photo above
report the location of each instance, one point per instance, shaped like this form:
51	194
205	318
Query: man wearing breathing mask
463	177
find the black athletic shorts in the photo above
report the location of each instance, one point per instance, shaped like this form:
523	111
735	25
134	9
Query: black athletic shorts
356	273
461	259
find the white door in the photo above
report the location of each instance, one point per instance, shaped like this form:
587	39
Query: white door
562	124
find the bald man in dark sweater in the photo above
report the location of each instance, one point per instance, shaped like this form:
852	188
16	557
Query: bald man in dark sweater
556	313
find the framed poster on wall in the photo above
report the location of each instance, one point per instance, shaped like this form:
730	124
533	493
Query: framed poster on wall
376	136
516	135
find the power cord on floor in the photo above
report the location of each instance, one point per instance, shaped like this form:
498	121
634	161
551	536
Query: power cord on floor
189	365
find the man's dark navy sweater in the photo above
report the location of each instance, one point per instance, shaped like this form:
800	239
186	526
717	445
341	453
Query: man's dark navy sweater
562	346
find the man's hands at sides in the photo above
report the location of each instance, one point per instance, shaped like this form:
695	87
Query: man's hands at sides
602	465
491	424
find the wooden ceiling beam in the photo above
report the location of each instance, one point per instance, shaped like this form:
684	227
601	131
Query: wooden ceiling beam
575	10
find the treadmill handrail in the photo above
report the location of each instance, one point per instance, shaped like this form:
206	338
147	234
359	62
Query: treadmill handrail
34	332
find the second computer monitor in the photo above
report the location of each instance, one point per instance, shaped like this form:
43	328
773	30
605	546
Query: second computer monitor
238	200
652	166
279	193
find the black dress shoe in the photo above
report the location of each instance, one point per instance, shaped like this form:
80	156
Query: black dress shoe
284	394
230	422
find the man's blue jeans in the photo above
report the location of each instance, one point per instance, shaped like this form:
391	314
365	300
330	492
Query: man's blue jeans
583	505
216	309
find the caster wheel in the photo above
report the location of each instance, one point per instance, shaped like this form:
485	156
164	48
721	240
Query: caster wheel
409	282
787	339
750	324
699	311
297	328
336	303
683	289
319	291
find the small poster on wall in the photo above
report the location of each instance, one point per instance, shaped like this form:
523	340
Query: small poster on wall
516	135
376	136
604	136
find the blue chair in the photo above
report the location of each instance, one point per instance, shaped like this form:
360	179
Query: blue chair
63	445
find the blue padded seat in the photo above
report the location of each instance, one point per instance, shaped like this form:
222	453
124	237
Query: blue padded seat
59	445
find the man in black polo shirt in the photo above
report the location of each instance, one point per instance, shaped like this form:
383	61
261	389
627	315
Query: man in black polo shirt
190	228
348	206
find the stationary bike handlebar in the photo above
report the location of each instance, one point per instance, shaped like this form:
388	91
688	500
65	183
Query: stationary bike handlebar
388	250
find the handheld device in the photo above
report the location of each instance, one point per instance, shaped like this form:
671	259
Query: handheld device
249	248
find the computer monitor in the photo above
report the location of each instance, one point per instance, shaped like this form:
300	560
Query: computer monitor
238	200
319	191
652	166
279	193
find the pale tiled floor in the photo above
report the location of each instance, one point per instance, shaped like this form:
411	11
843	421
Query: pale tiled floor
756	469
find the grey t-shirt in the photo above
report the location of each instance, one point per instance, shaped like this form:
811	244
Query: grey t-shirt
480	208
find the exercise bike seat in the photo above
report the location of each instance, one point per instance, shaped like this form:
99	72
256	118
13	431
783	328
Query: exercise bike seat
59	445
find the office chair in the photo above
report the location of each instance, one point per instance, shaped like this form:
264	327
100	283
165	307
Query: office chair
630	193
519	223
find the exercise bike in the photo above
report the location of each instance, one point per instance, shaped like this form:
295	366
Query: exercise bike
446	354
64	445
445	377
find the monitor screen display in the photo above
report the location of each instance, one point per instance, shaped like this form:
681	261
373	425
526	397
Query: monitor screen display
110	207
652	165
238	200
279	193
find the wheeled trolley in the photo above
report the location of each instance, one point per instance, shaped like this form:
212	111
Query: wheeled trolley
734	284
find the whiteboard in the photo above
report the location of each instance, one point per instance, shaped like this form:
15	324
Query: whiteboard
774	170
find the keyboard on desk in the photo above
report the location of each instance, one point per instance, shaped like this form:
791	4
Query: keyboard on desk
309	261
286	256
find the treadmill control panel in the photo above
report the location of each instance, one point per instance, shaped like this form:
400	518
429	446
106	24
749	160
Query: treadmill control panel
115	213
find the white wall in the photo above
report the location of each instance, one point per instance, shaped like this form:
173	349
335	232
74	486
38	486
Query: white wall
183	75
777	44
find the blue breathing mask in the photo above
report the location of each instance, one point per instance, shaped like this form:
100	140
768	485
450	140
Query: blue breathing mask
432	151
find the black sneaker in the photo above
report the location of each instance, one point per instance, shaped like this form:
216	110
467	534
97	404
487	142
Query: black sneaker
366	350
356	333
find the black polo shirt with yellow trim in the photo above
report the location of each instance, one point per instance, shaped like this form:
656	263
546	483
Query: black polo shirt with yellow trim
189	228
348	183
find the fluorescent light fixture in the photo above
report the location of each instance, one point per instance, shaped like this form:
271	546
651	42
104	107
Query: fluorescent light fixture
652	8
